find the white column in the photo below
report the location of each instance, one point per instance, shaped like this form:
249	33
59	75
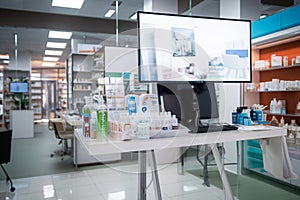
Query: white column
165	6
23	63
230	97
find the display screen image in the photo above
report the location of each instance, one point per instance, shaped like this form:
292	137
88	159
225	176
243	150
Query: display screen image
179	48
18	87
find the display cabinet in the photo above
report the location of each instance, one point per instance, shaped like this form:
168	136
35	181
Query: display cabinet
275	73
79	78
17	99
36	98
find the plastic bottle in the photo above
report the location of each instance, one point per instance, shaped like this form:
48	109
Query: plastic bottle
273	106
174	122
281	124
102	119
294	128
86	116
234	115
93	125
131	105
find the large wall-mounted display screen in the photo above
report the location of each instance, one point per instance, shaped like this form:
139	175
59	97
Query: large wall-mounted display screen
179	48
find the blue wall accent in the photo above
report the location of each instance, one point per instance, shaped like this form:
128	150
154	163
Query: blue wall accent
266	25
290	17
277	22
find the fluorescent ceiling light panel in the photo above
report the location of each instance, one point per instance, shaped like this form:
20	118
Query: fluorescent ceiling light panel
4	56
77	4
6	61
60	34
133	16
53	59
53	53
58	45
109	13
48	64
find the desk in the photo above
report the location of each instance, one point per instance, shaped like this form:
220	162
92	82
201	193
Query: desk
80	155
96	147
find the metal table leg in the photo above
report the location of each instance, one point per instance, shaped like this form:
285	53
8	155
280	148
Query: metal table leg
155	176
220	165
142	173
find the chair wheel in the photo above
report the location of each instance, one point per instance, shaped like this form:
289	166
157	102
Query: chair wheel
12	189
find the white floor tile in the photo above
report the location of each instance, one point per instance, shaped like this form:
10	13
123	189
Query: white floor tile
198	195
69	182
182	188
33	196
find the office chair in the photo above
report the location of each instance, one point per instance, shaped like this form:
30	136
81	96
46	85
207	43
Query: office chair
58	125
5	151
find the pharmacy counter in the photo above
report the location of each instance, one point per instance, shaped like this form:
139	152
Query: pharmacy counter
80	154
97	147
22	123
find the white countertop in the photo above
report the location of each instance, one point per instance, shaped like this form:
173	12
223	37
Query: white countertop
97	147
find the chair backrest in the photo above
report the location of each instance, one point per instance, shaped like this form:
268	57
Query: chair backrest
58	126
5	146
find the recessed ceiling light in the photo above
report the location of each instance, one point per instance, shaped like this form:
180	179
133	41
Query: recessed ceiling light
4	56
58	45
60	34
54	59
133	16
53	53
77	4
263	16
48	64
109	13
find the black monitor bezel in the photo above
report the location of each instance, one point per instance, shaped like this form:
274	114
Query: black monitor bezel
190	16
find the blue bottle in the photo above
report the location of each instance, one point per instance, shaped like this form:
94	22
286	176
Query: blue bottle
131	105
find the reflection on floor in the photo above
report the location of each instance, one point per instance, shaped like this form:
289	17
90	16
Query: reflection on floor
117	181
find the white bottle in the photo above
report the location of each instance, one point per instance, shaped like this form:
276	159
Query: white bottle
174	122
281	124
278	106
273	106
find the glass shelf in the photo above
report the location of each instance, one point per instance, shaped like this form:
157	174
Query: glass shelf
278	68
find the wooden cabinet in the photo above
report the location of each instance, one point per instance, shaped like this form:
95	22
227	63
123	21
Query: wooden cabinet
287	78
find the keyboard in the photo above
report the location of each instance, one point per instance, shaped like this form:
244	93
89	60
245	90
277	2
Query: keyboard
214	127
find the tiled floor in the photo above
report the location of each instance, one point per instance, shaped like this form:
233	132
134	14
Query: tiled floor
108	184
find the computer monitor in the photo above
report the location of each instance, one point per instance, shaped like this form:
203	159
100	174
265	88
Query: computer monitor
190	102
179	48
18	87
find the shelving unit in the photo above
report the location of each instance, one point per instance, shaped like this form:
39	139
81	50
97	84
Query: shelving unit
290	48
1	99
36	98
79	68
9	102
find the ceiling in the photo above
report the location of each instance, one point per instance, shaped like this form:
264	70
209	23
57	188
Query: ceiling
34	40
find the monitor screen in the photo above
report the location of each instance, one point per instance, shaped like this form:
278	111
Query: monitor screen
18	87
175	48
190	102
